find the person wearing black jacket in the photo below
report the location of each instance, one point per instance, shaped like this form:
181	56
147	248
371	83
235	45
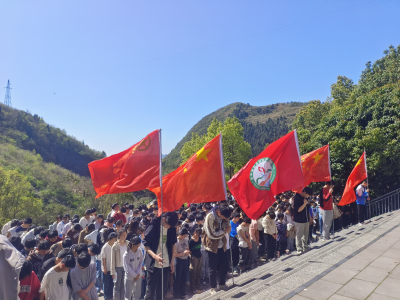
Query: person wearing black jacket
301	214
52	262
155	259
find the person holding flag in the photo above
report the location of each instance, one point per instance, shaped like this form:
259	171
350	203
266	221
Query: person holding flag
357	176
362	194
301	218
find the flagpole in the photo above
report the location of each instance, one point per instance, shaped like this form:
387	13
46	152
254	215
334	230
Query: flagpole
366	171
329	158
330	176
224	185
161	223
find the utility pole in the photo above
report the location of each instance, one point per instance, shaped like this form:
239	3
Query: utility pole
7	99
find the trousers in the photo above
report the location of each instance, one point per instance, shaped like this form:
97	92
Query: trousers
195	272
327	217
180	277
301	236
133	289
99	276
234	243
361	213
289	244
253	253
221	258
154	284
244	257
108	286
281	246
119	289
271	246
261	248
205	270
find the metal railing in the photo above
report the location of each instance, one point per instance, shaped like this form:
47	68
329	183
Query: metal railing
383	204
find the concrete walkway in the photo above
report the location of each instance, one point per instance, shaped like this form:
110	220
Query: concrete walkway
373	273
359	263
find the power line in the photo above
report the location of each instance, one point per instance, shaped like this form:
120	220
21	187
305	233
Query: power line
7	99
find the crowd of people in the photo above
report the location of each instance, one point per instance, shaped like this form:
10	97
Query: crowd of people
126	254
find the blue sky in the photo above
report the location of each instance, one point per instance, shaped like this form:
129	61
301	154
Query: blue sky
109	72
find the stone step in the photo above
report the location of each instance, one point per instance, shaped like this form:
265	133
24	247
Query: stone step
291	271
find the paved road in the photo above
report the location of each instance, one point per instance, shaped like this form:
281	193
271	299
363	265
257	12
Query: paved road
359	263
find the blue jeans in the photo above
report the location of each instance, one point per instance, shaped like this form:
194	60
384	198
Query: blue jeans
99	276
144	284
108	286
321	223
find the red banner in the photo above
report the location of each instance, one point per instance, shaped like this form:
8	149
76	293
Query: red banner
131	170
277	169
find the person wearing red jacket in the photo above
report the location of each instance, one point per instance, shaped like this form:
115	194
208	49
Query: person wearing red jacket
326	209
29	283
120	215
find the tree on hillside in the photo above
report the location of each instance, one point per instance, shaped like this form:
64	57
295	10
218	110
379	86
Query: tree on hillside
366	115
342	89
236	150
16	199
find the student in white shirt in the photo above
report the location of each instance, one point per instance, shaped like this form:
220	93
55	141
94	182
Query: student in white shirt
61	225
85	220
133	260
108	284
9	225
117	268
54	283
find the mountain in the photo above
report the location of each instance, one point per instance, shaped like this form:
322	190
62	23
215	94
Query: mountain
31	132
262	125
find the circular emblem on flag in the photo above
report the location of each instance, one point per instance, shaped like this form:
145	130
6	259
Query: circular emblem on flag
263	173
144	144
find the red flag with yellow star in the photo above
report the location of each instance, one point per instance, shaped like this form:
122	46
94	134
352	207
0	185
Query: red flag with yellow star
358	174
128	171
200	179
316	166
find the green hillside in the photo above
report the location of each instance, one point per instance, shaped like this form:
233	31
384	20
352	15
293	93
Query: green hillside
43	171
53	189
31	132
262	125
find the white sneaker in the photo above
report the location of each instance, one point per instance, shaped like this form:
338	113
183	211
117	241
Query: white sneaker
359	224
213	291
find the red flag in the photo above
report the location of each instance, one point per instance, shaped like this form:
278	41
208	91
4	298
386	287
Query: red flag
358	174
200	179
316	166
277	169
128	171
